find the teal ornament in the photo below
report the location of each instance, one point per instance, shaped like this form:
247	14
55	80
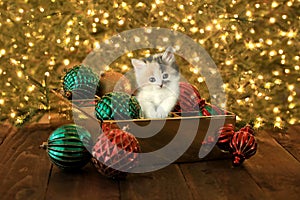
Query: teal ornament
117	106
80	83
68	145
207	109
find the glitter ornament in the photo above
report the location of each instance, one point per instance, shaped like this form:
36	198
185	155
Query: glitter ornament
242	145
67	146
115	153
117	106
225	134
80	82
189	98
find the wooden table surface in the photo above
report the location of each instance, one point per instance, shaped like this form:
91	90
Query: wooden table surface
27	173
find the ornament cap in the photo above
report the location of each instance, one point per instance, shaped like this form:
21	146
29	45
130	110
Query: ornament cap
44	145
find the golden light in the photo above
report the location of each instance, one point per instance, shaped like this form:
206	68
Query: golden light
272	53
269	42
121	22
291	87
248	13
31	88
276	110
13	115
1	101
238	36
104	21
274	4
292	105
272	20
292	121
200	79
291	34
208	28
19	74
66	61
125	67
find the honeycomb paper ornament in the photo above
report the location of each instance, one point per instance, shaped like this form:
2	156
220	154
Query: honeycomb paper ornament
68	145
117	106
115	153
80	82
189	97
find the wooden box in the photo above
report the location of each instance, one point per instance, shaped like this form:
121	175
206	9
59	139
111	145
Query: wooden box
188	135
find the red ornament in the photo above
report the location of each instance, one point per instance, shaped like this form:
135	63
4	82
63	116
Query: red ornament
242	145
207	109
189	98
225	135
115	152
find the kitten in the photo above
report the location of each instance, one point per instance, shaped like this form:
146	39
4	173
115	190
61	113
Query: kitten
157	78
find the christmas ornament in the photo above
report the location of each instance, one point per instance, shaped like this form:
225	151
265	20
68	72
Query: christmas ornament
117	106
225	134
67	146
115	152
207	109
189	98
80	83
113	82
242	145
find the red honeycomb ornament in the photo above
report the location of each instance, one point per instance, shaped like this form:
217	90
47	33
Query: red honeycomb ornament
115	153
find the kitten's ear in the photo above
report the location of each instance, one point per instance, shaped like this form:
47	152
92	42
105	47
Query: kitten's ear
138	64
168	55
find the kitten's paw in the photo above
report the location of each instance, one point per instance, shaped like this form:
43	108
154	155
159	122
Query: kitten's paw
151	114
161	113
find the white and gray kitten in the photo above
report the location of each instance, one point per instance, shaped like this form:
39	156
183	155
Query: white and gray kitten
157	78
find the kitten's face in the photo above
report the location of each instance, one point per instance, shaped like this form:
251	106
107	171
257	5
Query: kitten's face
157	71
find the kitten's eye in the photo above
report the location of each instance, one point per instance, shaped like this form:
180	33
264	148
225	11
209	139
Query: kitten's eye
165	76
152	79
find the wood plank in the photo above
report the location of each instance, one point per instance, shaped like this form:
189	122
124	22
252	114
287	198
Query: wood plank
219	180
290	141
5	130
24	168
167	183
86	183
274	169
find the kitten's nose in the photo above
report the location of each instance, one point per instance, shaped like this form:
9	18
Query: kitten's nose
161	85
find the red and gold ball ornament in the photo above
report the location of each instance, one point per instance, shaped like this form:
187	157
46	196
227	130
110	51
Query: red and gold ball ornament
115	153
225	134
189	98
113	82
242	145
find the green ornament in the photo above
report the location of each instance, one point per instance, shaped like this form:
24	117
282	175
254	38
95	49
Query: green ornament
117	106
80	83
68	145
209	109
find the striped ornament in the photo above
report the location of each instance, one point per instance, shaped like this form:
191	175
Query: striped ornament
242	145
189	98
225	134
68	145
207	109
80	83
117	106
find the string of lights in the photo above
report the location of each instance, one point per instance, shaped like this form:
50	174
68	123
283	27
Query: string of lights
255	45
